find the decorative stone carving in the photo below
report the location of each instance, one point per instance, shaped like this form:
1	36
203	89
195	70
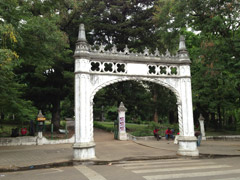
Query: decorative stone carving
167	54
180	118
115	53
114	49
102	68
107	67
162	70
182	50
82	47
156	52
101	49
126	50
146	52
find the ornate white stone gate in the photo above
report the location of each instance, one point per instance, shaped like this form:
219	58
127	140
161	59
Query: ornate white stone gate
95	69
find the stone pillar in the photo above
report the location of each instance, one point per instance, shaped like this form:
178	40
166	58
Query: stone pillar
40	138
122	135
84	146
202	129
187	140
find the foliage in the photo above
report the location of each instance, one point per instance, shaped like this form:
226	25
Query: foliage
38	39
10	89
137	98
119	22
214	52
138	129
107	126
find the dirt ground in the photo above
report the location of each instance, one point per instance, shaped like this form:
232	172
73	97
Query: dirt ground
99	135
58	135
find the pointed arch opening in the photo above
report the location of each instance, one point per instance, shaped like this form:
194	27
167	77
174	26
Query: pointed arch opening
149	102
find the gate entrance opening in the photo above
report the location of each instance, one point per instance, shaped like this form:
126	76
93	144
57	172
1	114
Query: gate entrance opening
95	69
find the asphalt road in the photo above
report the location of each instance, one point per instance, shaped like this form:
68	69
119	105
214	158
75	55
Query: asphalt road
178	169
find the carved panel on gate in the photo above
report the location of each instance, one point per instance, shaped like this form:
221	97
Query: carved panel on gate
162	70
108	67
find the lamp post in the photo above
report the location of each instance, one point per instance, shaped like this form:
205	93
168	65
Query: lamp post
40	120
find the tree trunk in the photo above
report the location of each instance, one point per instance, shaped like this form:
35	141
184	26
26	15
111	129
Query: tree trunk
219	117
56	115
155	118
213	121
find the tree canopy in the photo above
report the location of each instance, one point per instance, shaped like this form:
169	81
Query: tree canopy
37	40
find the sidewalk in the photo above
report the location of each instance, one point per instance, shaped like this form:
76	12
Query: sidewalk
107	150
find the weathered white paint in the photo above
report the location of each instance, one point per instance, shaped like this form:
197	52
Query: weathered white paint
40	138
122	135
30	140
202	129
91	74
89	173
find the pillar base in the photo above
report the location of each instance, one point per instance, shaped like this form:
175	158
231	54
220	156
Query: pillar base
122	136
204	138
187	146
84	151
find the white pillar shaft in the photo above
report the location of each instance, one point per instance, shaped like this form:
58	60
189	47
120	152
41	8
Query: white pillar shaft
187	140
82	109
84	146
202	129
122	135
187	110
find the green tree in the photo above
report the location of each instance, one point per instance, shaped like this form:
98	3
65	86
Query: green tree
11	91
213	52
119	22
45	53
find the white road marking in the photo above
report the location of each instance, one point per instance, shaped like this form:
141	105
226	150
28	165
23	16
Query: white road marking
55	171
237	178
158	162
89	173
181	169
196	174
168	165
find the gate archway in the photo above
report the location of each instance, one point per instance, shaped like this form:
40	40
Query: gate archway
95	69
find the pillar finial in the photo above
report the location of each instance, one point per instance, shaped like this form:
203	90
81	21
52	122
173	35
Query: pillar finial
82	34
40	115
201	118
122	107
82	46
182	50
182	45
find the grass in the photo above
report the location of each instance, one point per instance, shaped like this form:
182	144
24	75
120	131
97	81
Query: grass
147	129
211	132
6	129
134	129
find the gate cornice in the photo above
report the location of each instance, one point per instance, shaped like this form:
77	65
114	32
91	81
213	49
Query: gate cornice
134	58
83	49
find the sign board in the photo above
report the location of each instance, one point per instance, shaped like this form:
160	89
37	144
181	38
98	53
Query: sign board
121	123
41	119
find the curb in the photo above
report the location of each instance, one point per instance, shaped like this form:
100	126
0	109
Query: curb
84	162
108	162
